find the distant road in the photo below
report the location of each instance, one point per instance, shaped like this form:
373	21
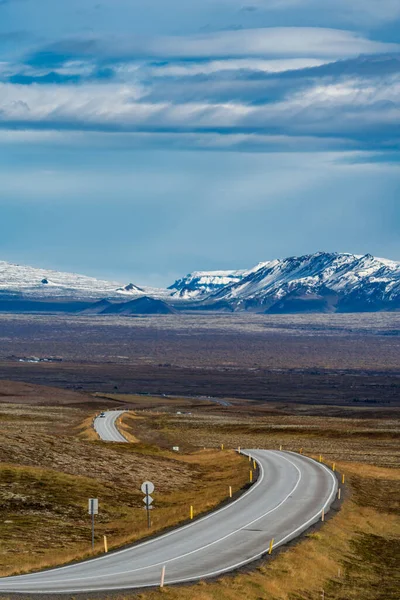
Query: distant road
287	498
106	426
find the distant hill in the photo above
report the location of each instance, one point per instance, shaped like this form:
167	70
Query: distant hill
140	306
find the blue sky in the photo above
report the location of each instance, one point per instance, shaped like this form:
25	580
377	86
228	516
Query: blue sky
140	141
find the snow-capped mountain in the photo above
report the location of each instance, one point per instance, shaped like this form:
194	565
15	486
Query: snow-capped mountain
321	281
31	282
200	283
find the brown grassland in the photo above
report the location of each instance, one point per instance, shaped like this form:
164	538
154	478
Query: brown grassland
51	463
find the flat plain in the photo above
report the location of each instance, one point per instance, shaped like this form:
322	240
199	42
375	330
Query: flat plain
313	359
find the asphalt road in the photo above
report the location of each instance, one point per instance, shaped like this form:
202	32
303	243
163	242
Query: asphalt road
106	426
287	498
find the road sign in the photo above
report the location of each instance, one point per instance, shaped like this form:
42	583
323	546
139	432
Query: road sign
93	506
147	487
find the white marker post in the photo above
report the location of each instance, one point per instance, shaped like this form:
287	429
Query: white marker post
93	509
162	577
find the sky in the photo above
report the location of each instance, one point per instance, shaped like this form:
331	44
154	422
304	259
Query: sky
140	141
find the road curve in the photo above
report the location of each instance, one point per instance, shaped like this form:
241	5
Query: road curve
106	427
287	498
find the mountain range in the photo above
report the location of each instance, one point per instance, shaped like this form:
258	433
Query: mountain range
320	282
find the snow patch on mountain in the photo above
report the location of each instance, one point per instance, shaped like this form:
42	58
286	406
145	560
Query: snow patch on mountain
364	282
37	283
200	283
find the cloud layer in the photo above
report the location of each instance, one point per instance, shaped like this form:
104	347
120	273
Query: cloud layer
287	83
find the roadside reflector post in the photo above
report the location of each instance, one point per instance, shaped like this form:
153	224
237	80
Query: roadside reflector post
222	446
320	458
238	449
323	515
343	478
230	491
301	450
280	447
162	577
249	458
254	464
105	544
251	476
191	512
271	545
333	466
339	493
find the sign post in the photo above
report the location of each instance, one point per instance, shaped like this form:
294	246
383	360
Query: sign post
147	489
93	509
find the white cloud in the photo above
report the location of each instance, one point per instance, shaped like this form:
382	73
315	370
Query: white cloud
272	42
92	140
180	69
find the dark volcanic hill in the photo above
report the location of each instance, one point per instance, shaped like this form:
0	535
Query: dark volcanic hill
140	306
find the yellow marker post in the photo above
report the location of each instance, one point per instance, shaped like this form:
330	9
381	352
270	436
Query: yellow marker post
249	458
239	450
251	476
280	447
333	466
271	545
323	515
230	491
343	478
301	450
339	493
320	458
222	446
254	464
105	544
191	512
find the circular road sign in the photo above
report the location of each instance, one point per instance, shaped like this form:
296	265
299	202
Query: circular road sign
149	486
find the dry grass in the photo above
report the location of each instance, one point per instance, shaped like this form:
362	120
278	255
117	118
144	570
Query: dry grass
86	430
353	557
370	441
124	428
44	509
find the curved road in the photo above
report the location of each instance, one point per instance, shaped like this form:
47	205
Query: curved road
106	426
287	498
